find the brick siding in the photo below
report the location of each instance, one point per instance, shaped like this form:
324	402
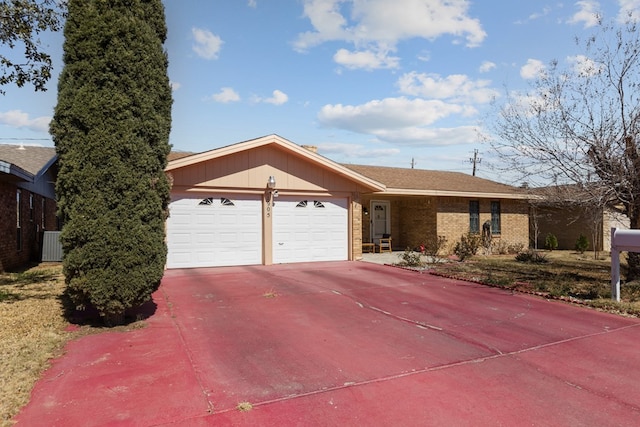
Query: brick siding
31	226
568	223
416	220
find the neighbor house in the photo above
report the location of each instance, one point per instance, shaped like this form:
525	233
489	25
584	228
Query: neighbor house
567	212
27	202
269	201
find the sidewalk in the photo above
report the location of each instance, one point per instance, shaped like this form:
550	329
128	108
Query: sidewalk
388	258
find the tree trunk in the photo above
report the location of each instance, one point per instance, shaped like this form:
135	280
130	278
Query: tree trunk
633	258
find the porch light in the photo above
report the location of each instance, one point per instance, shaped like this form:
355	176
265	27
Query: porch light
271	183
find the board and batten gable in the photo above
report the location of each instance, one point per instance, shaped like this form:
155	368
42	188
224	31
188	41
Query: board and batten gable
250	170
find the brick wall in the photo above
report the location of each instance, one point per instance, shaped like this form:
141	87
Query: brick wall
416	220
356	226
453	219
31	208
568	223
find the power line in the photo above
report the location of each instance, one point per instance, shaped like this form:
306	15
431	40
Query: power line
24	139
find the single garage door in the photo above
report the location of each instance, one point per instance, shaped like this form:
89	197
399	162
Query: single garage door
313	229
214	231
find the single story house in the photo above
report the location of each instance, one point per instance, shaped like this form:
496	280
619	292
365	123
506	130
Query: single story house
566	212
27	202
269	201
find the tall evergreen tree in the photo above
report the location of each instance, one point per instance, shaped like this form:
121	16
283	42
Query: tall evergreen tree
111	130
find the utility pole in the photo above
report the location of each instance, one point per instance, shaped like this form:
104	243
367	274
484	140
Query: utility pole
413	162
475	160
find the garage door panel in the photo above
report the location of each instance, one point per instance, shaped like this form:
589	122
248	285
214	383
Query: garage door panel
214	234
311	231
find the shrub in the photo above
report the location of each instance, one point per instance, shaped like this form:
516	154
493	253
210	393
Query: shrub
551	242
500	247
111	129
582	244
410	258
531	256
515	248
433	247
467	246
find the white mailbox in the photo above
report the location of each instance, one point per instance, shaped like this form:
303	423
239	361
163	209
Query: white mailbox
621	240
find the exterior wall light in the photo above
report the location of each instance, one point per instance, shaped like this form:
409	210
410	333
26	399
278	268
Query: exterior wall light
271	183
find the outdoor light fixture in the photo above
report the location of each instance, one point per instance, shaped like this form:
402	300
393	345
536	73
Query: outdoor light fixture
271	183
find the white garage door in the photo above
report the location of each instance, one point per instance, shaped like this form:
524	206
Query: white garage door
214	231
312	229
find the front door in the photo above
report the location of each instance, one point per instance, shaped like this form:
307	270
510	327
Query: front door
380	221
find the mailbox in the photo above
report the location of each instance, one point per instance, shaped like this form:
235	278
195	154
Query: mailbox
621	240
625	240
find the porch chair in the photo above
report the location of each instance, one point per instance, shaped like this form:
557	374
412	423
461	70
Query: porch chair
385	243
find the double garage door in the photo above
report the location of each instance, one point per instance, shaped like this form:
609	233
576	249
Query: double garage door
214	231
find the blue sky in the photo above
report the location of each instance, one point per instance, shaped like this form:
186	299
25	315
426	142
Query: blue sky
375	82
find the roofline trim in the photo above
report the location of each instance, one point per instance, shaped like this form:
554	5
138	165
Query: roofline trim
11	169
282	142
445	193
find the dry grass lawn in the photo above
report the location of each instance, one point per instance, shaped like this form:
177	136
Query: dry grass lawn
567	275
32	331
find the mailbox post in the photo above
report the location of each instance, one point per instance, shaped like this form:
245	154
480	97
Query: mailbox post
621	240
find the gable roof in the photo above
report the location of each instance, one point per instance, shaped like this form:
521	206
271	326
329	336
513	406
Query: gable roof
402	181
177	162
26	162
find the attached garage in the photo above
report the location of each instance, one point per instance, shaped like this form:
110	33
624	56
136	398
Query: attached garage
314	229
263	201
214	231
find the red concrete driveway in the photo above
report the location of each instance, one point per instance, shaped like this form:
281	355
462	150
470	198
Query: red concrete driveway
347	343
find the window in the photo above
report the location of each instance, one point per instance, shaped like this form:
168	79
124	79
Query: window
19	219
31	207
43	214
474	216
305	203
206	202
226	202
495	217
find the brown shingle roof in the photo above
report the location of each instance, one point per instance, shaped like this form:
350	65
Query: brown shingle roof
432	181
175	155
28	158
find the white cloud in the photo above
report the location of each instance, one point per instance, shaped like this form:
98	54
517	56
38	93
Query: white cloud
487	66
538	15
456	87
532	69
19	119
207	45
367	60
278	98
253	3
175	86
587	14
629	10
226	95
378	25
431	137
355	150
584	66
389	113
